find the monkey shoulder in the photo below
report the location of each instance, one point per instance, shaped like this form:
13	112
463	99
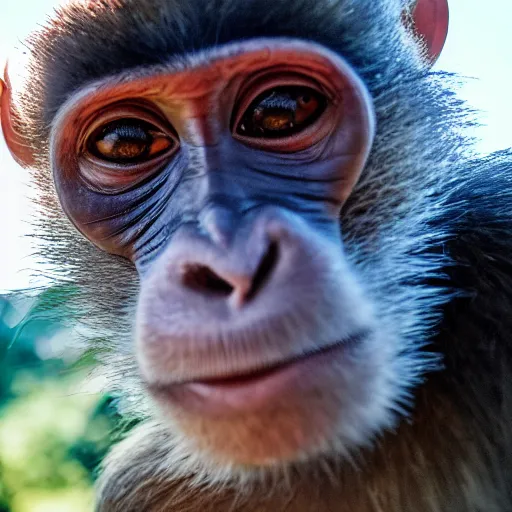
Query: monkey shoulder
474	333
478	220
477	216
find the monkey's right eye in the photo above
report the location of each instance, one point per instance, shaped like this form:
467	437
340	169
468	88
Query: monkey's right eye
129	141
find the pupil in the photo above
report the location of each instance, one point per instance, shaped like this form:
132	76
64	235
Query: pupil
277	120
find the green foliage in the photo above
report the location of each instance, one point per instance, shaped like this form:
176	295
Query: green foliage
52	434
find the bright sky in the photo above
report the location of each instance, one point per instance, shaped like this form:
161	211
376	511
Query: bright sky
479	45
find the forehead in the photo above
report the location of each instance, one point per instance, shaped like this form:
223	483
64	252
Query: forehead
89	41
209	71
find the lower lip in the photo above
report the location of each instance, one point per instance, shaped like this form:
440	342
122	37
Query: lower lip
253	392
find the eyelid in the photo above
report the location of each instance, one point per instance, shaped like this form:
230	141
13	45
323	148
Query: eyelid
310	135
252	91
125	111
111	178
108	176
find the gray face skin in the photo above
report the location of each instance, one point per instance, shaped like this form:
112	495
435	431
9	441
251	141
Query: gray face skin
222	179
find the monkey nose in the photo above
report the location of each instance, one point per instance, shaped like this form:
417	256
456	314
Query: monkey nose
239	278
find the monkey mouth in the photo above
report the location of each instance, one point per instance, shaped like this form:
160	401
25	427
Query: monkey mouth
254	388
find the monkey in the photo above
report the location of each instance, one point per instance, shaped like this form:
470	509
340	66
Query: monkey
293	264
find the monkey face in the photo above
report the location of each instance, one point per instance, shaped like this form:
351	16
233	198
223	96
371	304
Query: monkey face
222	179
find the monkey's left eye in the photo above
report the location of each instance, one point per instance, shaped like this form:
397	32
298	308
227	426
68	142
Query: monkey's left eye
128	141
281	112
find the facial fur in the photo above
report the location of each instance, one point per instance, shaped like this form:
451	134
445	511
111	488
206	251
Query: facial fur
399	311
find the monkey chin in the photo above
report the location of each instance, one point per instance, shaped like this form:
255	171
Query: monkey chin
332	402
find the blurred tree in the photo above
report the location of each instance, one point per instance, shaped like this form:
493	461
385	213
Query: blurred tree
52	435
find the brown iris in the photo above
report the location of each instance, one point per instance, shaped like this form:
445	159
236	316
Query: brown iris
281	112
128	141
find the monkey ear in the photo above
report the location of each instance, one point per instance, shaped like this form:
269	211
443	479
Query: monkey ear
431	25
17	144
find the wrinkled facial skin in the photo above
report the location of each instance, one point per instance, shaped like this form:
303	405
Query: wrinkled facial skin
222	178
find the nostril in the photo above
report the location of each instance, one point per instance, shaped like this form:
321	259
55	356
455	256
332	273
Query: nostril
203	279
264	270
240	287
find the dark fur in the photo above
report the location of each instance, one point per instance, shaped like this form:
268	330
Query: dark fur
428	228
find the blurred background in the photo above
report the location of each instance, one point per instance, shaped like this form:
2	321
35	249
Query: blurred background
55	425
